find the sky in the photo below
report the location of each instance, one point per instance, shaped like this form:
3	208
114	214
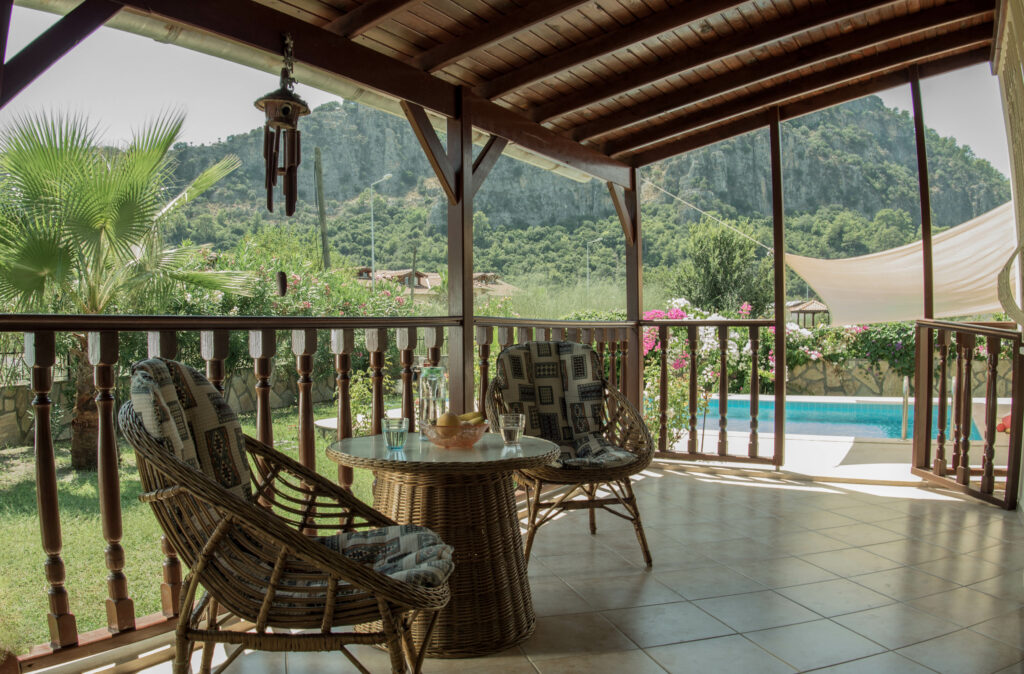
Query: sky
120	80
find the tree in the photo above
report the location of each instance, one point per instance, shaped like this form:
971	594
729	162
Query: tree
80	232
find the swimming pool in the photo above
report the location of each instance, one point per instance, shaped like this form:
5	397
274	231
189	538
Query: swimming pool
847	418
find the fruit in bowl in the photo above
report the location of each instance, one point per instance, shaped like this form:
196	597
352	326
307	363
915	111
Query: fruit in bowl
452	430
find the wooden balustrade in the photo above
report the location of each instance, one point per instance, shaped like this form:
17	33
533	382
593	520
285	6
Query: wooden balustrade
984	479
342	342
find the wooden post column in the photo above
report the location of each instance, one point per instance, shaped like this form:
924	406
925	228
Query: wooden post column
627	205
926	203
460	178
779	246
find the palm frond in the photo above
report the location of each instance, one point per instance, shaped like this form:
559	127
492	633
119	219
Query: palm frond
203	182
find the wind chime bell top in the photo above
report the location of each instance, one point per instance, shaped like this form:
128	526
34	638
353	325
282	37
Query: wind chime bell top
283	109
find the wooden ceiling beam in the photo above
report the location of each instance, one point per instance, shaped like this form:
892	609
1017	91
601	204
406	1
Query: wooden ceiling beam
531	14
818	52
365	16
794	24
602	45
60	38
775	95
339	56
826	99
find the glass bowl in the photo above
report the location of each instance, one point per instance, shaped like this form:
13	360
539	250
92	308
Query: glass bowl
464	437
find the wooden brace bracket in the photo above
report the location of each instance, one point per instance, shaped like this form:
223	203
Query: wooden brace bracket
440	161
625	201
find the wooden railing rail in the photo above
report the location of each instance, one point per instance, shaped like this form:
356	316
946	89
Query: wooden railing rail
949	456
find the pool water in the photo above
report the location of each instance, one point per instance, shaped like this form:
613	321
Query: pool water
856	419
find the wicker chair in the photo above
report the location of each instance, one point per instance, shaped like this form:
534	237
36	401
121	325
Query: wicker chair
258	563
561	389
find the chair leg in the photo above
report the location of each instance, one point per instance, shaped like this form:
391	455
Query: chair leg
182	653
393	634
591	492
634	510
533	490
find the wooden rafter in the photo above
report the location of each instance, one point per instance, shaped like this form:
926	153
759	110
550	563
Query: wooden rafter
57	40
536	11
365	16
5	27
779	93
563	59
486	160
794	24
739	126
818	52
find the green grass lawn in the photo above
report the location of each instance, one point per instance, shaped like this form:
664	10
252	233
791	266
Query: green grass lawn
23	586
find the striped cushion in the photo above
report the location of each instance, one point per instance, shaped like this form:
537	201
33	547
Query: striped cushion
178	404
406	552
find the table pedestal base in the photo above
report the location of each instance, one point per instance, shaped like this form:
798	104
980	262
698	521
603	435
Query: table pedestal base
490	608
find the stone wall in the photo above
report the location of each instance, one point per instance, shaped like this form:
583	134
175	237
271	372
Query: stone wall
858	377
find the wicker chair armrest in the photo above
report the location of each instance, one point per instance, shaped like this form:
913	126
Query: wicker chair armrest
626	427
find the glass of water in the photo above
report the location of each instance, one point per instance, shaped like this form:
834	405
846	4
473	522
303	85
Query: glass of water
511	426
394	431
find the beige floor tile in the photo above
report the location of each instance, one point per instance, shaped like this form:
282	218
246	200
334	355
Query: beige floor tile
861	534
963	652
896	625
1007	628
634	662
962	540
904	583
962	569
815	644
822	519
740	550
851	562
835	597
373	659
704	582
1005	586
700	532
756	611
724	654
783	572
582	565
965	606
909	551
915	527
511	661
1010	556
552	596
572	635
674	556
628	591
802	542
550	542
666	624
887	663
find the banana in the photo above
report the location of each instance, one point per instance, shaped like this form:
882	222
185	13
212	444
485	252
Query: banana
472	417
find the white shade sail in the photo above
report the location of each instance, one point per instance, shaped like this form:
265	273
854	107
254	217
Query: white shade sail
889	286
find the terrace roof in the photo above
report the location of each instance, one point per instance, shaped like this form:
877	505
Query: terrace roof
600	86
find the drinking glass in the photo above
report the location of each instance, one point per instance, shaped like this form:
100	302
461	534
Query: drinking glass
394	431
511	426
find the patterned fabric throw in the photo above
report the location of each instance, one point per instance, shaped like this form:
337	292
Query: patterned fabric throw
406	552
559	387
178	404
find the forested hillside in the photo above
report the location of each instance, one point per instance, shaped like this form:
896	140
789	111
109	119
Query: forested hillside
850	188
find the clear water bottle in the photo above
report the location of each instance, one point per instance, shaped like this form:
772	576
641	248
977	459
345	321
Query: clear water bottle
433	400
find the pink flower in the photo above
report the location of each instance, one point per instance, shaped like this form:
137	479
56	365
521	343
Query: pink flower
745	309
771	329
675	313
307	305
679	363
401	301
387	293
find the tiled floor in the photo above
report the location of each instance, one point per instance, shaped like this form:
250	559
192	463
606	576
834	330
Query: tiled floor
762	576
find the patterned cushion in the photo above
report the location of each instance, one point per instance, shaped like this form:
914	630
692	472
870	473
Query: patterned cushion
559	387
178	404
406	552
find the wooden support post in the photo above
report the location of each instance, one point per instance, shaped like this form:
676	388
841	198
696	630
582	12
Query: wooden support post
342	341
693	347
627	205
779	247
405	339
5	27
262	347
215	346
40	355
164	344
922	398
376	344
484	337
304	347
926	203
755	390
103	355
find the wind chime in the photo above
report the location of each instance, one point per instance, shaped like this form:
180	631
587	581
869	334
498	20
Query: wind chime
281	138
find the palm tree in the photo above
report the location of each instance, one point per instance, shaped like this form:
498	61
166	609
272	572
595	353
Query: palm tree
80	231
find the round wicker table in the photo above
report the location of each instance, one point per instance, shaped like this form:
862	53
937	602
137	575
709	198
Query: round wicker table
467	497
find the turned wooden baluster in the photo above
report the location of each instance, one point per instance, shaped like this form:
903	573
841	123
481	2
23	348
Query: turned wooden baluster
663	390
342	341
623	357
433	340
600	339
573	334
405	338
691	344
613	350
557	334
992	345
963	469
40	355
587	336
723	389
957	403
262	348
164	344
942	339
507	337
484	337
376	344
755	392
523	334
214	346
103	355
544	334
304	347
